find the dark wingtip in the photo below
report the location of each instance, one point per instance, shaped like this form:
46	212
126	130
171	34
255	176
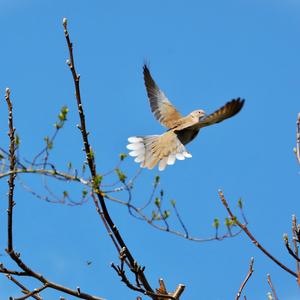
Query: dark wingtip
237	104
146	66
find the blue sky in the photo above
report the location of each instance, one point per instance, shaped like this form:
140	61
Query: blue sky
202	54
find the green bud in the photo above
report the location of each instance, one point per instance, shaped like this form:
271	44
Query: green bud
91	154
121	175
122	156
173	203
63	114
240	203
84	193
157	178
166	214
227	222
285	238
216	223
97	180
154	215
157	202
49	143
17	140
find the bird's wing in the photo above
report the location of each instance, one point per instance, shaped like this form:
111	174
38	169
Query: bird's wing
230	109
162	108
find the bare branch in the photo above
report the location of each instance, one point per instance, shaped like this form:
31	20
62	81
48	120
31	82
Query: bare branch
33	293
239	293
91	161
11	180
272	287
290	250
20	285
163	228
297	150
295	238
252	238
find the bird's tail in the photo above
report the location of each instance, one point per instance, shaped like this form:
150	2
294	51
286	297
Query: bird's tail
153	149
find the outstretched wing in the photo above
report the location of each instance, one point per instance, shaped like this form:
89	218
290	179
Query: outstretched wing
230	109
162	108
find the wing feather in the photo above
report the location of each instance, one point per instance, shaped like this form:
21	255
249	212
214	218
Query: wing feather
162	108
230	109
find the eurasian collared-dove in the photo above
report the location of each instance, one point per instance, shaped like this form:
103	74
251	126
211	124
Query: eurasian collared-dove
169	146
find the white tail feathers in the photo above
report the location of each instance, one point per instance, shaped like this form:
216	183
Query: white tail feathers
157	149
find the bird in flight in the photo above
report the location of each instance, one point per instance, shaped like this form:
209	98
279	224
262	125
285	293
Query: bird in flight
164	149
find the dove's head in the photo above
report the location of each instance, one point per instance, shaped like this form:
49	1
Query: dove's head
198	114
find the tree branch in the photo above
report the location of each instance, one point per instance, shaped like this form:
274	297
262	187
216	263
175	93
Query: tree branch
92	166
20	285
239	293
272	287
297	150
252	238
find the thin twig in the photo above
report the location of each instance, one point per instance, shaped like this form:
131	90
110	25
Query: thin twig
239	293
33	293
272	287
20	285
11	180
252	238
291	252
57	174
175	232
181	222
298	139
11	272
296	250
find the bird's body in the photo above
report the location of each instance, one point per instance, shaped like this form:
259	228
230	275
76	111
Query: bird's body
164	149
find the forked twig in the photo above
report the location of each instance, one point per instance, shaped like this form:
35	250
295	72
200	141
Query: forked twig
20	285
